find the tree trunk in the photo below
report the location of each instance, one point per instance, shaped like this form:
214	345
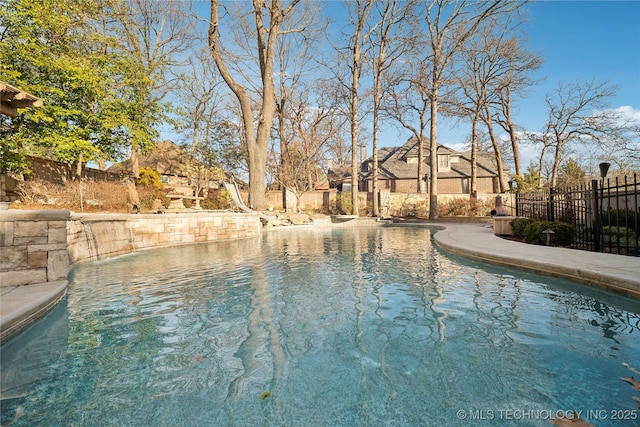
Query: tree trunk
135	161
512	134
257	140
433	187
79	166
354	163
473	190
374	186
421	188
354	128
496	149
556	166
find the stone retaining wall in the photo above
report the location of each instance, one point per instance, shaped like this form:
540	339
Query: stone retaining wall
39	246
33	247
97	236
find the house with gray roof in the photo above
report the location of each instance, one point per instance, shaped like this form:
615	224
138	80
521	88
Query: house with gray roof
398	170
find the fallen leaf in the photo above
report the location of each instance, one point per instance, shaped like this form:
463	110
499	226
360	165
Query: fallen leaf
632	381
575	421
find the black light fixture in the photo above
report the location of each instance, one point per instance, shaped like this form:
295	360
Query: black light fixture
510	182
604	168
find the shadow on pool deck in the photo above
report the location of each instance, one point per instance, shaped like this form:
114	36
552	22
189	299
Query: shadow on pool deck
21	305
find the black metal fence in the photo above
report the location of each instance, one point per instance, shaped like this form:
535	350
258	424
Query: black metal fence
606	213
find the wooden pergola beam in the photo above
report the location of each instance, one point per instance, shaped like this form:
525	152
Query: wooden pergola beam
12	98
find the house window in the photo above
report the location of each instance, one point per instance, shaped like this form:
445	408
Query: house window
443	163
412	160
465	185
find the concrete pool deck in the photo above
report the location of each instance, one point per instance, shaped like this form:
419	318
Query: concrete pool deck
21	305
618	273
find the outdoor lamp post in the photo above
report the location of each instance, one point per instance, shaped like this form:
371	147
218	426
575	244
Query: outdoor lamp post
597	206
604	168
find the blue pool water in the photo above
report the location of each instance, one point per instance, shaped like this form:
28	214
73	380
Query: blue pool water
349	327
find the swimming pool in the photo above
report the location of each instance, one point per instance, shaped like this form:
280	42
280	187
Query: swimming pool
342	327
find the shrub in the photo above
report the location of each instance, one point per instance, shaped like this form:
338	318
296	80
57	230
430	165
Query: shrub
518	226
563	234
413	208
462	206
149	178
78	196
220	199
343	203
623	236
454	207
621	218
150	198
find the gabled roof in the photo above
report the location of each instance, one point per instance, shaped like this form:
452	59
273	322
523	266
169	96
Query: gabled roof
401	162
166	157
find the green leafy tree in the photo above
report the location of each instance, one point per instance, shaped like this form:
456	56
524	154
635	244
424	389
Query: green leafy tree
530	180
152	36
571	173
101	69
47	50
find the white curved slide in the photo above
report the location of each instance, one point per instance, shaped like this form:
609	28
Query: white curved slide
232	188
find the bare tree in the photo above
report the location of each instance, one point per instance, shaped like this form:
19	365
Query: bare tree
476	74
297	59
623	143
491	65
309	129
201	100
515	80
353	58
498	148
449	25
578	114
386	48
408	102
268	18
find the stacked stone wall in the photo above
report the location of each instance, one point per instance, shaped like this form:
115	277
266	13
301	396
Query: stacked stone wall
33	247
39	246
94	236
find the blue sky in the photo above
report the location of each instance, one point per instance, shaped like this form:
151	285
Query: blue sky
584	40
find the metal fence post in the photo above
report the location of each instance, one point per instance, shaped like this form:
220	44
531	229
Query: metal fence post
596	216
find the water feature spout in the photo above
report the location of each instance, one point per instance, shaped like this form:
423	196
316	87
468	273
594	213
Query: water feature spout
90	237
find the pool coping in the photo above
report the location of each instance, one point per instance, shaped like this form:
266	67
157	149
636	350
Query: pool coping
617	273
22	305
